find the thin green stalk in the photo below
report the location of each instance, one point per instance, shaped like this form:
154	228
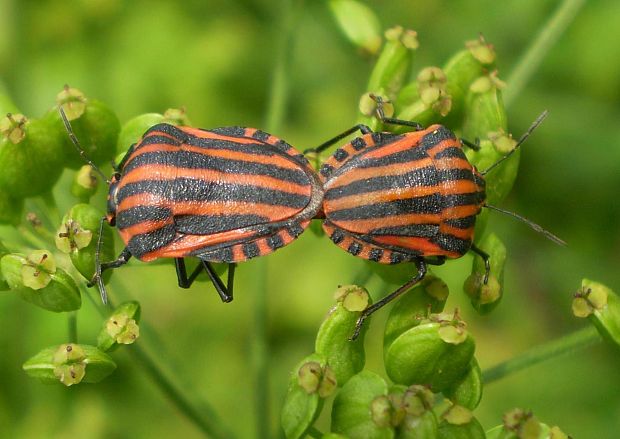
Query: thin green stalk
313	432
289	13
72	326
52	210
565	345
201	414
539	48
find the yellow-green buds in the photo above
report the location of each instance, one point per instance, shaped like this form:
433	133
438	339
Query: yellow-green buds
485	297
602	306
311	381
38	280
84	183
78	235
70	364
121	327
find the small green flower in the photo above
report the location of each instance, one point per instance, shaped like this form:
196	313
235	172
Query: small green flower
121	327
602	306
303	402
70	364
72	237
37	269
12	127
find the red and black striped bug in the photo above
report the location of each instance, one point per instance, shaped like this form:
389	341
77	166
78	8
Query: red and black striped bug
412	197
220	195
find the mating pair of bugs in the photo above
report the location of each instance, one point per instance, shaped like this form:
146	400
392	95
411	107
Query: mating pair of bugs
231	194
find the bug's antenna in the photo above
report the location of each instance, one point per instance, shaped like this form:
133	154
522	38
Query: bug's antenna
532	224
97	276
76	143
525	135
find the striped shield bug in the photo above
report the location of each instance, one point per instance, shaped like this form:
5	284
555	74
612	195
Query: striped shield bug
411	197
223	195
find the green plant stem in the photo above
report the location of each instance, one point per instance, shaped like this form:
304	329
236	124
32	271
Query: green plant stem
202	415
72	325
52	210
313	432
288	14
569	343
32	239
539	48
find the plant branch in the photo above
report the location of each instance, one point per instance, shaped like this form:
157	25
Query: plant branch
203	415
565	345
539	48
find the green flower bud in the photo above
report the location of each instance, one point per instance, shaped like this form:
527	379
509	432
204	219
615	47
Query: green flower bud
421	355
427	297
433	100
12	127
394	63
133	129
419	419
484	298
459	423
602	306
303	403
344	356
78	236
121	327
468	391
518	424
70	364
37	280
177	116
73	102
11	209
84	183
461	71
359	24
356	408
485	119
31	158
95	125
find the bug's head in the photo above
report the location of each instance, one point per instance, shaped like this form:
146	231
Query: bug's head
112	200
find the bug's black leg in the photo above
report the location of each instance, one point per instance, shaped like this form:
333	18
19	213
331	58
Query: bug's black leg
473	145
364	129
100	268
485	258
224	292
184	281
421	265
400	122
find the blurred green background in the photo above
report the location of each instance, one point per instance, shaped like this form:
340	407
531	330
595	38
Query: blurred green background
217	59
